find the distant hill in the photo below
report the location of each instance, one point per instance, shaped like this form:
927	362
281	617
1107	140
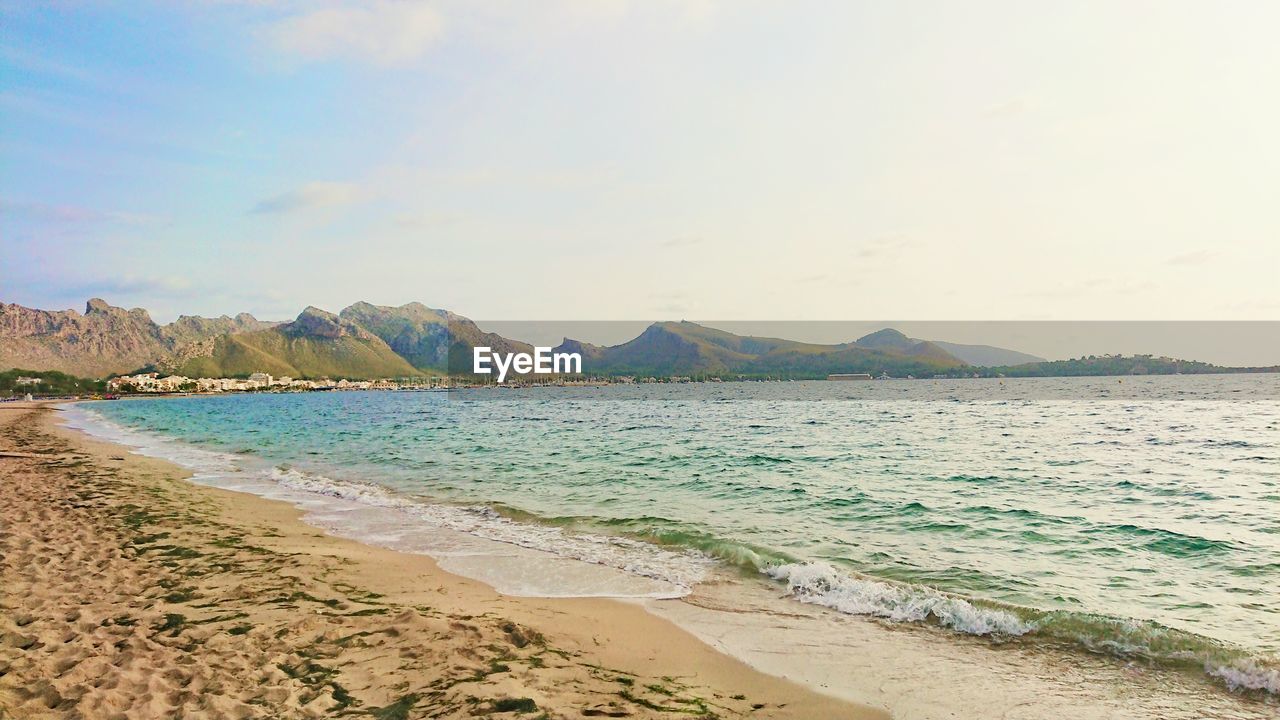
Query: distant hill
316	344
1098	365
886	339
193	328
104	340
686	348
987	355
414	331
428	338
670	348
366	341
978	355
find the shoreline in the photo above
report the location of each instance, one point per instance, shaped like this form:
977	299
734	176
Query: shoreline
920	671
201	575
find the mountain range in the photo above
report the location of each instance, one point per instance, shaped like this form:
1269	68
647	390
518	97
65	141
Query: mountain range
373	341
105	340
976	355
685	348
366	341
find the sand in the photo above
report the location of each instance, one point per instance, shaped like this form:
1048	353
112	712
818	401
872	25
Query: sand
128	592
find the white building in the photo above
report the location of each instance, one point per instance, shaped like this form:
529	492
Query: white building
173	383
213	384
142	382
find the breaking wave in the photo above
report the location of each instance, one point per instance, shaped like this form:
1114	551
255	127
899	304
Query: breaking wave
824	585
683	556
684	568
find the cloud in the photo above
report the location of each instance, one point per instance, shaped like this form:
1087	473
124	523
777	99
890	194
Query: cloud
421	221
383	32
124	287
1008	108
69	214
682	242
315	195
1195	257
42	64
131	285
669	303
1097	285
811	279
885	246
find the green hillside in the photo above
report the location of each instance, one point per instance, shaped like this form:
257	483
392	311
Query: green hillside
983	355
367	341
820	361
414	331
436	341
670	348
316	344
686	348
1101	365
18	382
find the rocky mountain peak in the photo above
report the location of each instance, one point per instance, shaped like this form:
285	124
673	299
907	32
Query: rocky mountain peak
314	322
97	305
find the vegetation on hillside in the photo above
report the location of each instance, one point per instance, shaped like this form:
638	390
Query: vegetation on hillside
689	349
366	342
51	382
1095	365
434	341
277	353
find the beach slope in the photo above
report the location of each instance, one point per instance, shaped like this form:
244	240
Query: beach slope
128	592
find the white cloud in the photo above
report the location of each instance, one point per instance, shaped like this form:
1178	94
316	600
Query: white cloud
384	32
1194	257
313	195
683	241
75	214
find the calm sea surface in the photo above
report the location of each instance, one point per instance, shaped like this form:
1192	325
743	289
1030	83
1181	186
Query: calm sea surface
1137	517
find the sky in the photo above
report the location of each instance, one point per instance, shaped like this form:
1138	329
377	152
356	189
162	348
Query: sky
647	159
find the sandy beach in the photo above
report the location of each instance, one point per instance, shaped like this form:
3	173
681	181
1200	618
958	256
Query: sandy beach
128	592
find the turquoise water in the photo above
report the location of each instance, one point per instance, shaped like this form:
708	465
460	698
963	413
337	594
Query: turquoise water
1138	518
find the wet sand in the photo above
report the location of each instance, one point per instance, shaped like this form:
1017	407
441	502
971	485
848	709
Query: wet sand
128	592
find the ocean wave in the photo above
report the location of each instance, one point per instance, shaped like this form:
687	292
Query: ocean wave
683	556
664	532
1168	542
150	444
823	584
1247	674
683	569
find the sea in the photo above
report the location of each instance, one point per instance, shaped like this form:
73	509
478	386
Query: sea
1105	547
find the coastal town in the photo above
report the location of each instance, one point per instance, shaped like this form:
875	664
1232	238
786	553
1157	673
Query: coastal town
154	383
53	384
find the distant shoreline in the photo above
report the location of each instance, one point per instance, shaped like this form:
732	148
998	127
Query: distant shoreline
610	381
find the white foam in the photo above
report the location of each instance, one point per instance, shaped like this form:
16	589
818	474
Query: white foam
822	584
1247	674
475	541
198	460
682	570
